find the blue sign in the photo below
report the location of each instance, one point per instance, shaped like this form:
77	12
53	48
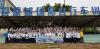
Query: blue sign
62	11
5	11
51	11
73	11
40	11
95	10
28	11
84	11
16	11
1	4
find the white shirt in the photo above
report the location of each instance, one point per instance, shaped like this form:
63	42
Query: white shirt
68	35
78	35
47	34
39	34
26	35
30	35
14	35
53	34
23	35
10	35
18	36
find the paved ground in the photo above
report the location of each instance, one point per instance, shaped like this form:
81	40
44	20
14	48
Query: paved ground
49	46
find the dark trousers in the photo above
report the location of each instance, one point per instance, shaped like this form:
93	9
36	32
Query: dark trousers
71	40
21	40
81	39
66	40
6	40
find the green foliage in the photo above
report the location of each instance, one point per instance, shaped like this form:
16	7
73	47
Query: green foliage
56	7
67	7
46	7
98	29
90	30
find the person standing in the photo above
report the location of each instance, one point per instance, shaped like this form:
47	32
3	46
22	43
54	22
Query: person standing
6	37
81	36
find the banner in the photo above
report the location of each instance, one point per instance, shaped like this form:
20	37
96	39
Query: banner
48	39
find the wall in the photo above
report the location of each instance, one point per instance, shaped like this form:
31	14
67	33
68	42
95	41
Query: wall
2	38
92	38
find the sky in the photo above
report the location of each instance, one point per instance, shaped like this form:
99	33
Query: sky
39	3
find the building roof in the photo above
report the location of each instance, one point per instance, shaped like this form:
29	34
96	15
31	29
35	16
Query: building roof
81	21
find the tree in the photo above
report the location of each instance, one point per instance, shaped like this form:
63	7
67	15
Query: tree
67	7
90	30
57	6
46	7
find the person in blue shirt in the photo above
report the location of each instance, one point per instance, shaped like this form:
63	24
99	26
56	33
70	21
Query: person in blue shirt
6	37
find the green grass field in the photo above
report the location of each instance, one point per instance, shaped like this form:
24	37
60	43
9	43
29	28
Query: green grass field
49	46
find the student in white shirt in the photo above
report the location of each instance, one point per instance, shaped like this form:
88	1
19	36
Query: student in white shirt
78	36
9	35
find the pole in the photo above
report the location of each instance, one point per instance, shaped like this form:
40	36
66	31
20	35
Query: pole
64	2
94	26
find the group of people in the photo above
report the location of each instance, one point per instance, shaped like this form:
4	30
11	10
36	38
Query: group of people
31	34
